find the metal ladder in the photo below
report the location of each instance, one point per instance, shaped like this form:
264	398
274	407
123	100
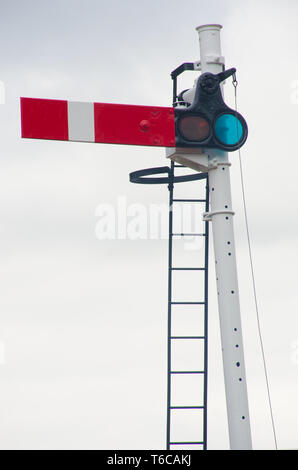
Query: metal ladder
199	442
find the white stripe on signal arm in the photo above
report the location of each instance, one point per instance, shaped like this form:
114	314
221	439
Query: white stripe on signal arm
80	121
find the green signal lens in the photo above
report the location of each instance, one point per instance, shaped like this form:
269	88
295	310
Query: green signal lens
194	128
228	129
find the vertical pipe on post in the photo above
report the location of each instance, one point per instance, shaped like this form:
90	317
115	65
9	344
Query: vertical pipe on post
225	266
206	262
169	384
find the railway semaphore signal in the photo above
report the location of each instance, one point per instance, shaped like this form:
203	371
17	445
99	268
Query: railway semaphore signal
198	131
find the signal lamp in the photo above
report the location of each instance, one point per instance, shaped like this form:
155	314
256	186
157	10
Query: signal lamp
194	128
208	122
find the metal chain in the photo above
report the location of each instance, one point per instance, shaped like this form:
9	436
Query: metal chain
235	84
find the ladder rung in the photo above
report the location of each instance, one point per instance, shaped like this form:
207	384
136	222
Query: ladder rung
186	407
188	234
188	200
187	372
187	337
188	269
188	303
187	443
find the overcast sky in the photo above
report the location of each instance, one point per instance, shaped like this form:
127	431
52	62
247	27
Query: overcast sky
83	320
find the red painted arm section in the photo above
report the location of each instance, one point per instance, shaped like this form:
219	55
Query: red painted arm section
134	125
44	119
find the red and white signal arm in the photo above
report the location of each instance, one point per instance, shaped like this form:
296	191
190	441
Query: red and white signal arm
97	122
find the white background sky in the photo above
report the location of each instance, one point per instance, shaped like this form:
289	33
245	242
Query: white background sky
83	321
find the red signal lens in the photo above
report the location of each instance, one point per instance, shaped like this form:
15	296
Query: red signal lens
194	128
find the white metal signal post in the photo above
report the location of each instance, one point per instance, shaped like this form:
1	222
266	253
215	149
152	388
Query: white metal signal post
216	162
199	137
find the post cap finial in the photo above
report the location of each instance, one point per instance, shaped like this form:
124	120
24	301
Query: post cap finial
211	26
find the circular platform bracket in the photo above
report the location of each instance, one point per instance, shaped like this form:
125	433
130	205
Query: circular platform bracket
143	176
